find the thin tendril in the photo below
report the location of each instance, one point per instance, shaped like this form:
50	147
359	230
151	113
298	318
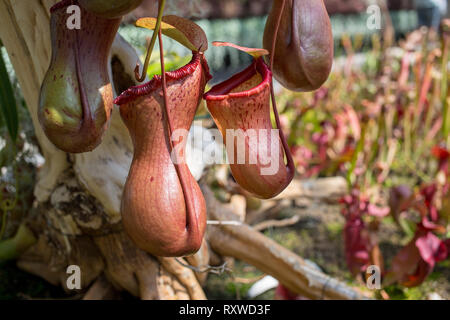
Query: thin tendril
206	268
141	78
290	160
277	28
190	210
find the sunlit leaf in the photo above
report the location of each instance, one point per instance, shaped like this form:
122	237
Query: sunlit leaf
184	31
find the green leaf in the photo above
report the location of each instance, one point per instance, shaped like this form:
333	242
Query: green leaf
8	107
186	32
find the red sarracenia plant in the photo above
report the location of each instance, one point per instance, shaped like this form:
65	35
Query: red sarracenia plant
443	156
76	96
429	193
359	249
400	200
435	195
412	265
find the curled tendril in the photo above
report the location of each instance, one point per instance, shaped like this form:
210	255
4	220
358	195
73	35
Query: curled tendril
141	77
289	159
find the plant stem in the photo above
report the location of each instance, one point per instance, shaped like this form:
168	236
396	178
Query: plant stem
444	88
191	221
12	248
289	159
277	28
358	150
141	77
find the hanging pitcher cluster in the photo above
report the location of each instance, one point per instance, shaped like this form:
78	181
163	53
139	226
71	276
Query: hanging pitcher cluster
163	209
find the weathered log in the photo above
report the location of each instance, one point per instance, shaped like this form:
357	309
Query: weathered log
325	189
102	289
251	246
303	192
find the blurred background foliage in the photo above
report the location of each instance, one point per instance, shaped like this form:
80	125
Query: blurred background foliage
248	32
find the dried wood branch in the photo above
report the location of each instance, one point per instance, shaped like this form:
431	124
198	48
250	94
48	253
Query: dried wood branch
328	189
305	191
246	244
276	223
102	289
185	276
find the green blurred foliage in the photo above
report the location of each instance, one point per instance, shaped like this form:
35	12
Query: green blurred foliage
8	105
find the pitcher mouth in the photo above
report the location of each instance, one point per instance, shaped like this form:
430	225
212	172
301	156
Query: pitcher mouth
223	90
144	89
